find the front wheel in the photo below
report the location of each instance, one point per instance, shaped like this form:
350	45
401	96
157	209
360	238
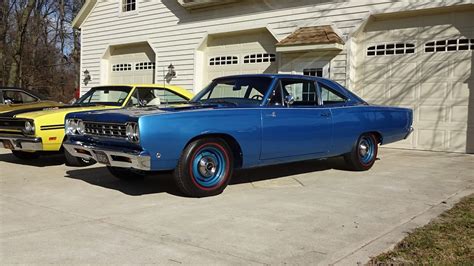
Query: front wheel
23	155
205	168
363	154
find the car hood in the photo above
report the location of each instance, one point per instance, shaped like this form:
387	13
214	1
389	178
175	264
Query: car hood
132	114
28	106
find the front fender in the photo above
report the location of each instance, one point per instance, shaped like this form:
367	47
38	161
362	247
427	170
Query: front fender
165	136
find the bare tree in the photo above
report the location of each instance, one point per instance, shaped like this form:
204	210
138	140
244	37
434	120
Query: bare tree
15	69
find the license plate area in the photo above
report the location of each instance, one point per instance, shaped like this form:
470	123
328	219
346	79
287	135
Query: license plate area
102	157
8	144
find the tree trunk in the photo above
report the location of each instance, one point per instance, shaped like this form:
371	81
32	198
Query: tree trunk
14	76
4	14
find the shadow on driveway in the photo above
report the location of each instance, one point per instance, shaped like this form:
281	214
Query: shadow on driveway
48	159
163	182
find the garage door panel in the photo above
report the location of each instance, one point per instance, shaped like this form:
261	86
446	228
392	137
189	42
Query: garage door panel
402	92
431	139
459	113
461	90
405	71
375	72
457	140
461	69
433	92
374	93
433	113
438	70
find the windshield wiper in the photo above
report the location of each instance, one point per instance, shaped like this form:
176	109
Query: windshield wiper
221	101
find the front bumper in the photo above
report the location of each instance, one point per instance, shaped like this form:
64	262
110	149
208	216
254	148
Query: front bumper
124	159
20	143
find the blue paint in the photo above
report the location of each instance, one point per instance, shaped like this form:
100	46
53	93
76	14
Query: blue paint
220	164
266	134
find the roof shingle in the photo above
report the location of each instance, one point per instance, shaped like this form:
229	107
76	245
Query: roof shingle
312	35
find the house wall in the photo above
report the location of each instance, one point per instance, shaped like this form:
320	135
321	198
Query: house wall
175	33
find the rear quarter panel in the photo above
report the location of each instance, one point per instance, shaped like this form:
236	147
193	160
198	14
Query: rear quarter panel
169	133
349	122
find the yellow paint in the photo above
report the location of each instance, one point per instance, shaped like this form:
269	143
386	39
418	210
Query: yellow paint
53	139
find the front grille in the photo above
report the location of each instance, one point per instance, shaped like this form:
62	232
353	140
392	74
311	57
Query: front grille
11	126
105	129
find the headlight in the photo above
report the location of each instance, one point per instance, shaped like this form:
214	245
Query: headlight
81	127
29	127
71	126
132	132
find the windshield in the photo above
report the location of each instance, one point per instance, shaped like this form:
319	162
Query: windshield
113	96
235	91
144	97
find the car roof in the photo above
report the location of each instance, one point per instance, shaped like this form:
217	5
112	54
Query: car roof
174	88
289	76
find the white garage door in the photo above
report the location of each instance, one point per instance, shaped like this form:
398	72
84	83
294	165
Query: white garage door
132	64
423	63
244	53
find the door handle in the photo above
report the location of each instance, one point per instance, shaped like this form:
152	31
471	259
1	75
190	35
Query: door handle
273	114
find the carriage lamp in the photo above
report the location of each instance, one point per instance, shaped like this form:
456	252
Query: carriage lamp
171	73
87	77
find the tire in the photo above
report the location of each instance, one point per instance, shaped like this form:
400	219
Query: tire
363	154
23	155
76	161
126	174
205	168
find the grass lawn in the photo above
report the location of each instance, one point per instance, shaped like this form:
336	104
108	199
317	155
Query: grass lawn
447	240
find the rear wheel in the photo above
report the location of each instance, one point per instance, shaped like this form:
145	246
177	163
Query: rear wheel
126	173
363	154
23	155
76	161
205	168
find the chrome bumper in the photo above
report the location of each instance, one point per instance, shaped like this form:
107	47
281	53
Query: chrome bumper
409	133
124	159
20	143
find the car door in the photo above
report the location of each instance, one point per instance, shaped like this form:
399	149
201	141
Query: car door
299	128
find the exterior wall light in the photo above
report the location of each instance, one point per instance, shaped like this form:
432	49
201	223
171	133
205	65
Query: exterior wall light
171	73
87	77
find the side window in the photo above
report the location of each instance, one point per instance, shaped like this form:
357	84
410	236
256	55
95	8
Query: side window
169	97
18	97
303	91
329	96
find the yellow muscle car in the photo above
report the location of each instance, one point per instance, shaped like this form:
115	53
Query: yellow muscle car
27	134
15	99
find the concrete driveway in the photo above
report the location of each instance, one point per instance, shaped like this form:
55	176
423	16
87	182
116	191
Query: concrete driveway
301	213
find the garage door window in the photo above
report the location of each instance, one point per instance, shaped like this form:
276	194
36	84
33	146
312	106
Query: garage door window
145	65
259	58
449	45
121	67
391	49
223	60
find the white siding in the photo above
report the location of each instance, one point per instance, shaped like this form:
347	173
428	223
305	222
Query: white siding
175	33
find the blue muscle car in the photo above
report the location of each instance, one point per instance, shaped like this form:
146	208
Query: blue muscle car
238	122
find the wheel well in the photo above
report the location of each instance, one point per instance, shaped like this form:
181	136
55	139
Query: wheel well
231	141
378	136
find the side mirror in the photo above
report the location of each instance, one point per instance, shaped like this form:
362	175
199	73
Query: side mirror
289	100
